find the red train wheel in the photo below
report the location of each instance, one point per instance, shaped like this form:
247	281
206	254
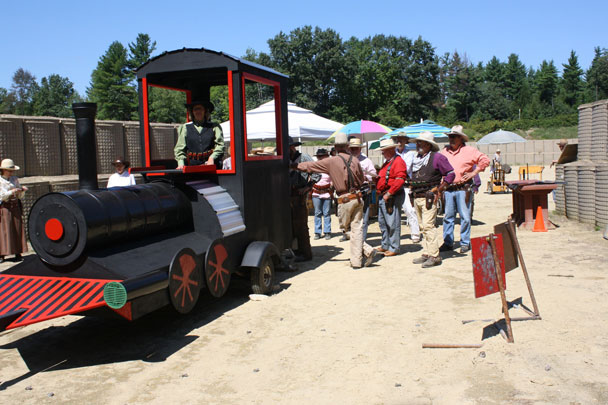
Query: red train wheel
216	274
185	280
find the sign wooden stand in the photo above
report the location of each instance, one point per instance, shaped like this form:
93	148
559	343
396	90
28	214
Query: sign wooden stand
493	256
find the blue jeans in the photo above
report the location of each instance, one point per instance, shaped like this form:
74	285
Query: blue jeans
322	210
390	224
455	202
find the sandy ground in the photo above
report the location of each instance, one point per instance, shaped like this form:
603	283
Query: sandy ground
333	335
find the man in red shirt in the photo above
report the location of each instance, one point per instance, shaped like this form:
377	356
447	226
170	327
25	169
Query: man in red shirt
391	178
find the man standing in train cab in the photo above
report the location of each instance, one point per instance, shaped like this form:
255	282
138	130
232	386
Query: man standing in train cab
199	142
347	177
467	163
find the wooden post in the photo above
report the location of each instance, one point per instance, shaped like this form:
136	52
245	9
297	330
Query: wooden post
505	307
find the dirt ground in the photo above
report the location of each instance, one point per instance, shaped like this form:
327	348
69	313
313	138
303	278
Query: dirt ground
333	335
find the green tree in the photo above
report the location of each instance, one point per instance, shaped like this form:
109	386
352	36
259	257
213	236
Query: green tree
462	82
141	50
546	82
55	97
313	58
515	84
23	90
597	75
7	101
494	71
116	99
572	83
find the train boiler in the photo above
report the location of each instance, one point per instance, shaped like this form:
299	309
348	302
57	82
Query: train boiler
182	233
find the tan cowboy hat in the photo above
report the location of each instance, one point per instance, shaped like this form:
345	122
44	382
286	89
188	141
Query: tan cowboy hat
457	130
563	141
428	137
269	150
354	143
8	164
387	144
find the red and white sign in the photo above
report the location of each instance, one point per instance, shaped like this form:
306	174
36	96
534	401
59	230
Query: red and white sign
484	273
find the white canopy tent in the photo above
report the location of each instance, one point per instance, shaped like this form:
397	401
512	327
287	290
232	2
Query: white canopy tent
303	124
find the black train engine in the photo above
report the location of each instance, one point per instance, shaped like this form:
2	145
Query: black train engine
184	232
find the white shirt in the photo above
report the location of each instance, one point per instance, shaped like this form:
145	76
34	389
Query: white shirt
369	171
8	188
121	180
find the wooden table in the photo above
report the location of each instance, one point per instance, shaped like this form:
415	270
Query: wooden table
528	195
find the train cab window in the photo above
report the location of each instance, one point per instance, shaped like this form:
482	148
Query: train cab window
262	120
165	111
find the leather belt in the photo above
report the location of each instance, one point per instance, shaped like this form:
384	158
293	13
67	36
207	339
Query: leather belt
344	198
321	189
461	186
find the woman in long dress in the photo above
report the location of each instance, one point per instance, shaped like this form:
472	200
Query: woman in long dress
12	230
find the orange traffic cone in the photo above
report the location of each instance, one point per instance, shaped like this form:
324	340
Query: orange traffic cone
539	223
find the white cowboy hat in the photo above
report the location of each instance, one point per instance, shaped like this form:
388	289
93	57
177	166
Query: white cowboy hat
341	139
387	144
457	130
428	137
8	164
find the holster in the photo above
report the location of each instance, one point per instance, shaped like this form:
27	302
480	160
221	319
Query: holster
430	199
390	204
467	194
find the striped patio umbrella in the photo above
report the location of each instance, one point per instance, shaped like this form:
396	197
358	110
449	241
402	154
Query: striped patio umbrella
366	130
412	132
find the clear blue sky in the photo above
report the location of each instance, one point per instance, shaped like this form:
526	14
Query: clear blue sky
68	37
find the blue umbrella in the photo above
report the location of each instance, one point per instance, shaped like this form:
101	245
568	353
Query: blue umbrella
412	132
500	136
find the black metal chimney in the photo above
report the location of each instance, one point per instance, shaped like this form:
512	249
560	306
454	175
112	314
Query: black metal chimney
85	145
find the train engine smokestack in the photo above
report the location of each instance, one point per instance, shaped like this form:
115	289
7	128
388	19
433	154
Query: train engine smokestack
85	144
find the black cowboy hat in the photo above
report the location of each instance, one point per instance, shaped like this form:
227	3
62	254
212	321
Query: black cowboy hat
294	143
205	103
322	152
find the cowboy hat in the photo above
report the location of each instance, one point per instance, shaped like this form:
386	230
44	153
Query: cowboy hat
341	139
8	164
121	161
429	138
387	144
205	103
457	130
294	143
563	141
354	142
322	152
269	150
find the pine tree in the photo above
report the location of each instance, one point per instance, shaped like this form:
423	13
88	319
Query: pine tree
116	99
597	75
546	82
572	83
